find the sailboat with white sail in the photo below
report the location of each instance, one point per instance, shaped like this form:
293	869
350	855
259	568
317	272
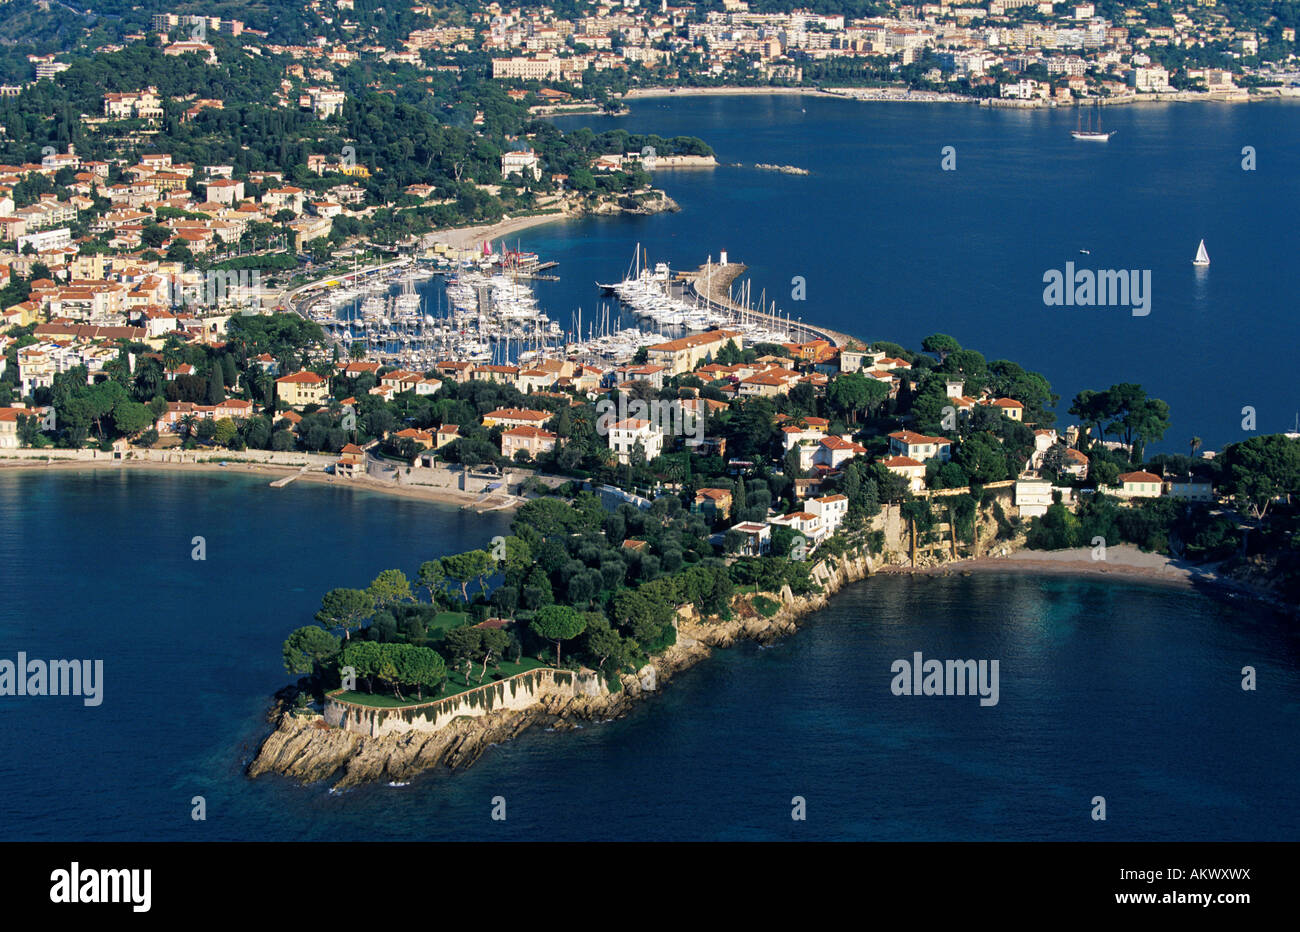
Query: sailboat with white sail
1202	257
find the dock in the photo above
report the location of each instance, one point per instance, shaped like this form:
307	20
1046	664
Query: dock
712	284
492	500
285	480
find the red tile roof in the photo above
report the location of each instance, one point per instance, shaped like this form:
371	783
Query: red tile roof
304	378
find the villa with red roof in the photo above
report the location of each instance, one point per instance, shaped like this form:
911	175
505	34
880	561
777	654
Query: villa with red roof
919	446
626	434
516	417
1140	484
445	435
532	440
352	460
302	388
832	451
1009	407
802	522
909	469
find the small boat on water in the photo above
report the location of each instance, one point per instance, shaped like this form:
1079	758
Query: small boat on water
1202	257
1085	252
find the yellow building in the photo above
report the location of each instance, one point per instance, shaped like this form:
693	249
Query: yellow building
1139	484
678	356
302	388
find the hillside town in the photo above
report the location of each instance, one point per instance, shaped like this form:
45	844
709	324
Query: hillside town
114	236
1018	49
1011	49
154	262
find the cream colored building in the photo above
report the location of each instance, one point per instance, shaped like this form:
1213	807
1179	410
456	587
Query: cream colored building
1139	485
302	388
533	440
683	355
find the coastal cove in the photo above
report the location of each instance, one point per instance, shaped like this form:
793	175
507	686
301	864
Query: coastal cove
717	754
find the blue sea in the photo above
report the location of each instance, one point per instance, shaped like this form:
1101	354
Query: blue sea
892	247
1110	689
1107	688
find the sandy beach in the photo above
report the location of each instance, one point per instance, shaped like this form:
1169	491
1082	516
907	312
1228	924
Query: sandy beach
471	237
271	472
1123	561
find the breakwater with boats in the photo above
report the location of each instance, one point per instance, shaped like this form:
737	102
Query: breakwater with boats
714	286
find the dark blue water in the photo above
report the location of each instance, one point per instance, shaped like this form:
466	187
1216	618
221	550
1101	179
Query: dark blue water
1123	691
893	248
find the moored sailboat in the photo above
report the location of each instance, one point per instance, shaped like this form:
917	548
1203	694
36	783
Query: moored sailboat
1090	134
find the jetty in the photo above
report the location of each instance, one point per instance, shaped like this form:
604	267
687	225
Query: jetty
285	480
712	285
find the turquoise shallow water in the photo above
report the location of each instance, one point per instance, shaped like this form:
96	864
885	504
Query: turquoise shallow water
1118	690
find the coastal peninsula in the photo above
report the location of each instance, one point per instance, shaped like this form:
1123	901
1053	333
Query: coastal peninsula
600	594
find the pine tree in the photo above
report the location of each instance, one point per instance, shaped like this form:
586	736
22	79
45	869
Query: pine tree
216	390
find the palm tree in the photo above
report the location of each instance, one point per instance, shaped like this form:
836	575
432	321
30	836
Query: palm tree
259	382
171	355
187	425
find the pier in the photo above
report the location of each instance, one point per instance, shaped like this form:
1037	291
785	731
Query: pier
712	284
282	482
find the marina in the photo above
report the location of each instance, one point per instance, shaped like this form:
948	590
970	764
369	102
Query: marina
484	312
482	308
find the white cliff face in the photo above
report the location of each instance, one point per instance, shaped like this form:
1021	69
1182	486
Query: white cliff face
510	695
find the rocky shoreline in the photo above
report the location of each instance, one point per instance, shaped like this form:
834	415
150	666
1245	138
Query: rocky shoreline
304	748
660	203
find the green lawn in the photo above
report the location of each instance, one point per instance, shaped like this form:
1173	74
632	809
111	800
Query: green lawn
456	678
378	700
445	621
455	685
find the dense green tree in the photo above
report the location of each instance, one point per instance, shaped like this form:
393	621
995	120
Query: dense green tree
940	344
982	458
363	658
1125	411
558	623
307	649
389	588
604	645
346	609
1262	469
216	386
224	431
468	566
431	578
